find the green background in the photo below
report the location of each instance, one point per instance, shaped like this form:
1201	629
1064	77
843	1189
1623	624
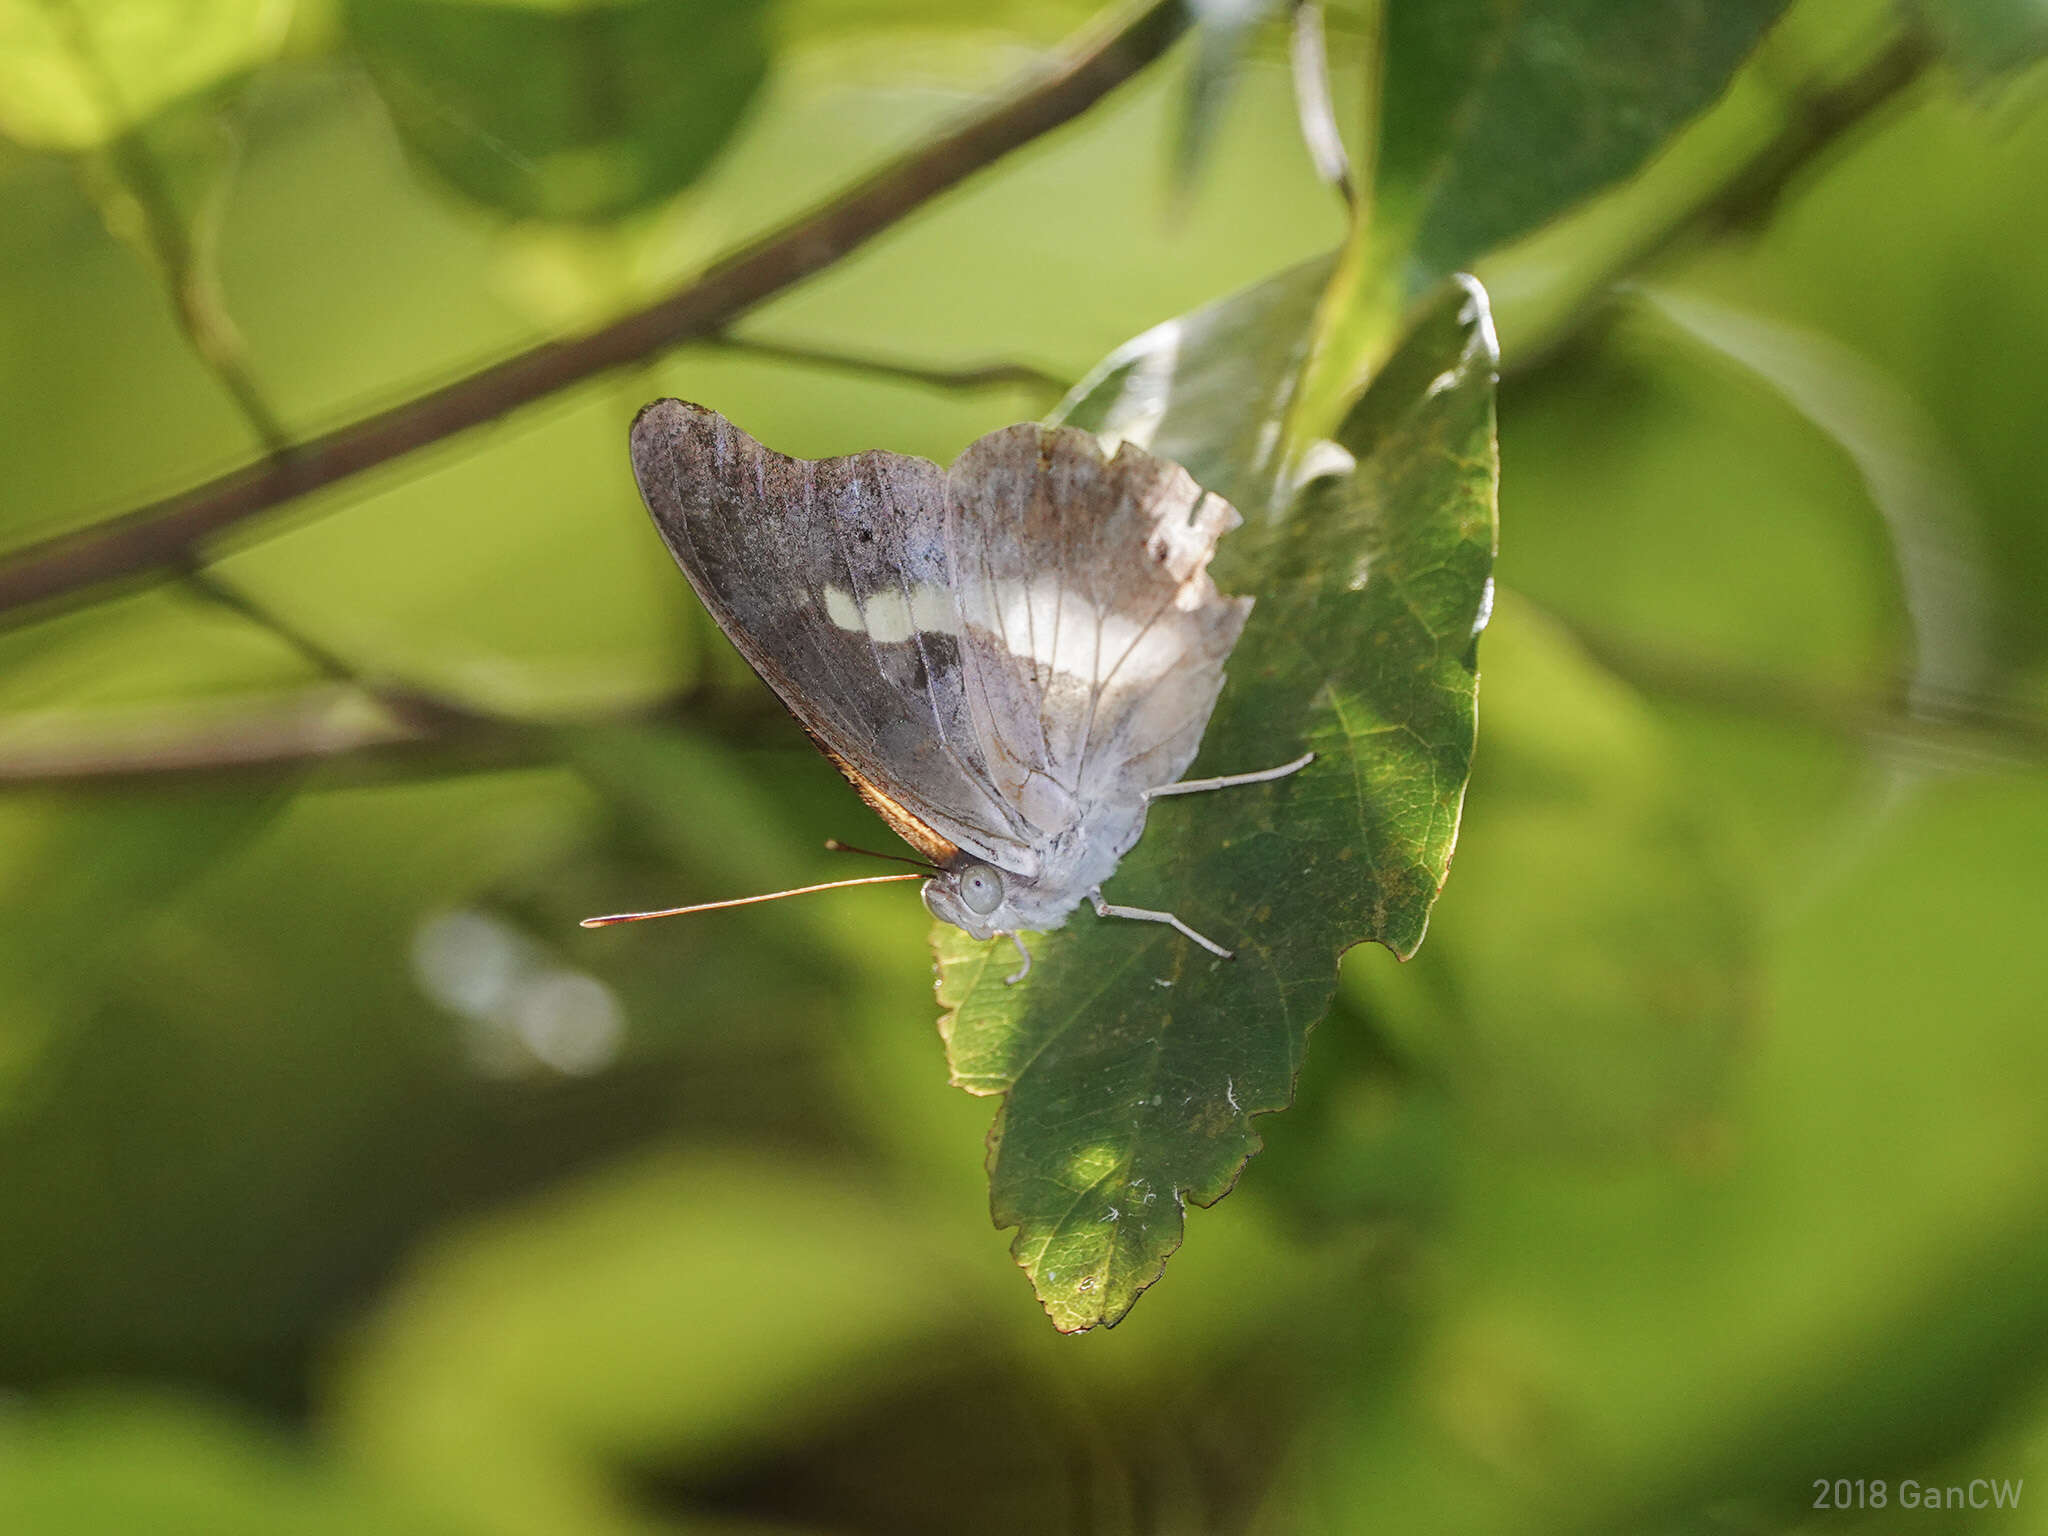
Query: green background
345	1185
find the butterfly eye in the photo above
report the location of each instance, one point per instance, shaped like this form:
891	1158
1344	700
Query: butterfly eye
981	888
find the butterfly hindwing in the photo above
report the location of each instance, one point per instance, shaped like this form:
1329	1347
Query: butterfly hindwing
1095	638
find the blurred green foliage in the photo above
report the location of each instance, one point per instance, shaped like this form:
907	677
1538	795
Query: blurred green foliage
616	105
75	75
1697	1156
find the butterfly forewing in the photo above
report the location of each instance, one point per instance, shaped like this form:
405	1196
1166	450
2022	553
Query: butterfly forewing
829	578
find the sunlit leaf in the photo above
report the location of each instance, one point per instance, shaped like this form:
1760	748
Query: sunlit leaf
1132	1062
566	111
76	73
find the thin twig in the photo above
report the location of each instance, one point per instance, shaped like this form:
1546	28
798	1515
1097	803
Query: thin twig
985	376
416	709
162	534
215	589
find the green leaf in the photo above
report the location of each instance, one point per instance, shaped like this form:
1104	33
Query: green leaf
1499	114
570	110
77	73
1132	1062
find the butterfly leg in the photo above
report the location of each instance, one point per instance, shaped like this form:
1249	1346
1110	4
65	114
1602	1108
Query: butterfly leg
1145	915
1232	780
1012	980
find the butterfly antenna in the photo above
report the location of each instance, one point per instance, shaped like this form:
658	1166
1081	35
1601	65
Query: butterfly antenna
740	901
833	845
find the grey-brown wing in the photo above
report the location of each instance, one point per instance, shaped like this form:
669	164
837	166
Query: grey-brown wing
1093	636
831	579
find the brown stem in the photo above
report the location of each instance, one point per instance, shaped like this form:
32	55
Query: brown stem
165	532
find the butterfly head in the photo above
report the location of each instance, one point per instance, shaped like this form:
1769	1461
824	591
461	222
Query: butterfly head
974	896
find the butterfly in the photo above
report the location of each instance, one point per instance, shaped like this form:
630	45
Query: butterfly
1009	660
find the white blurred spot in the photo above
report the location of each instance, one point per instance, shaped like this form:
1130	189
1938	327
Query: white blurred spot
1911	474
1269	439
520	1009
570	1021
467	962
